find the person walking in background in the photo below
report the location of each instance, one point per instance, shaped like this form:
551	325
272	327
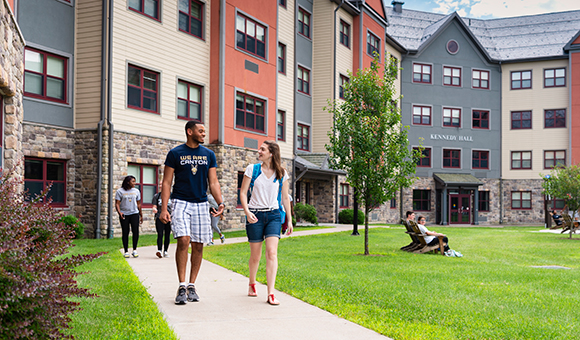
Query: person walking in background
128	206
263	215
213	206
194	166
163	229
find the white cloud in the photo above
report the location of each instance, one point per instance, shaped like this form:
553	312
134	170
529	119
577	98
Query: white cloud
511	8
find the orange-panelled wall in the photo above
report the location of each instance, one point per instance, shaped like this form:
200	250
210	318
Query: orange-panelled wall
11	3
378	30
356	43
575	109
262	84
577	41
213	128
377	5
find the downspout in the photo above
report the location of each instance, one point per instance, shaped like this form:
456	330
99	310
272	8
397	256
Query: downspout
569	160
222	62
294	122
102	120
500	148
109	121
336	195
360	36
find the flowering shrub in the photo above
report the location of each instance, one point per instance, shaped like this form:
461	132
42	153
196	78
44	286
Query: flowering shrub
37	279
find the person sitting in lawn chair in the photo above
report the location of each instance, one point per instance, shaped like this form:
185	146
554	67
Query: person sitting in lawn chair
557	219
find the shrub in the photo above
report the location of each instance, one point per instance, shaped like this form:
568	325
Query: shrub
37	279
346	216
72	222
306	212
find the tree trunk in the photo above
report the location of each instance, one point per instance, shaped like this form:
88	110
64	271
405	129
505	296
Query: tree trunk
366	232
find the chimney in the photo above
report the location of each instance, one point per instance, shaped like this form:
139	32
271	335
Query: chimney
397	6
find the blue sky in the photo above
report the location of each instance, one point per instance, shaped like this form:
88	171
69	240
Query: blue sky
486	9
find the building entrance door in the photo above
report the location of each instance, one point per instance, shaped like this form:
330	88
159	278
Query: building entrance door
459	209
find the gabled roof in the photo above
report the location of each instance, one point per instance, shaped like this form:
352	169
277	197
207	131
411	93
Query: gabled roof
315	162
507	39
574	43
457	179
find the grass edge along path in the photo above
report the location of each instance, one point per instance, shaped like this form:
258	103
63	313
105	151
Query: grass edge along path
123	308
491	293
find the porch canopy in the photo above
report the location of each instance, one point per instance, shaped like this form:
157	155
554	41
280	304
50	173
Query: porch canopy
314	166
446	183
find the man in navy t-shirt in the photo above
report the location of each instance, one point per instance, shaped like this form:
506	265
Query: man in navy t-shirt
194	167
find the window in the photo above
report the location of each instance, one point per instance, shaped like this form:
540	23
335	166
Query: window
451	117
521	120
557	203
421	200
479	159
40	173
422	73
344	188
521	200
396	62
451	158
480	79
421	115
521	80
303	80
191	17
344	34
145	181
480	119
281	58
425	161
142	89
302	137
304	23
555	77
280	130
250	36
452	46
521	159
451	76
483	200
554	159
149	8
343	80
282	3
240	179
45	75
555	118
250	113
189	101
373	44
393	203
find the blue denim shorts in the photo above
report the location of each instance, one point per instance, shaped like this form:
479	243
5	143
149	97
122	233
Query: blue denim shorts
268	225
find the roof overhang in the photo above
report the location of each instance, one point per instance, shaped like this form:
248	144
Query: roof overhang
311	170
347	6
456	179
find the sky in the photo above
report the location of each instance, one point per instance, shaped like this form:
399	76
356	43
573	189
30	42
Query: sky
487	9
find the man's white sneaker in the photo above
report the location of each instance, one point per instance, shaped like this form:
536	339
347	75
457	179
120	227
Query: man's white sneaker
135	253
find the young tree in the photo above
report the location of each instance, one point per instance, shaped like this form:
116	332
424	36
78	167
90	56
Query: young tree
368	140
564	183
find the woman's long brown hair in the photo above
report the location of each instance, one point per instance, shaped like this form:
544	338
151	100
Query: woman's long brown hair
276	162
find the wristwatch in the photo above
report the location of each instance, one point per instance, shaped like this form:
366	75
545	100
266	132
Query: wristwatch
222	203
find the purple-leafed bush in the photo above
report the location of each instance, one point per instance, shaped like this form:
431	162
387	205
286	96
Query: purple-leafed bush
37	279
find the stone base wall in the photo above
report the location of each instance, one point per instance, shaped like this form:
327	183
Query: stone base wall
491	217
535	215
86	162
40	141
322	197
11	84
422	183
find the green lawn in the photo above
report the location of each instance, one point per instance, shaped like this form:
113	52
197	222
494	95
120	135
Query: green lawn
490	293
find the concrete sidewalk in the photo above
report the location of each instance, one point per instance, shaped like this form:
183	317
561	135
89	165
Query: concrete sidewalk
226	312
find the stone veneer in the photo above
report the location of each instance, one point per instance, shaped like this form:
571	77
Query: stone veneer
85	155
535	215
11	84
322	197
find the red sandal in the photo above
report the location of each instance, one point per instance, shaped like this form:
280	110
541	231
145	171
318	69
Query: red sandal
252	290
272	300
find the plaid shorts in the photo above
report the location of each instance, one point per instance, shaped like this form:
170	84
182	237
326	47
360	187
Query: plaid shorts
191	219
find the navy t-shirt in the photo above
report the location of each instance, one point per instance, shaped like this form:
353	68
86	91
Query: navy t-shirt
191	168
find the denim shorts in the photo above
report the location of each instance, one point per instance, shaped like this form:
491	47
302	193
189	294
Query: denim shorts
268	225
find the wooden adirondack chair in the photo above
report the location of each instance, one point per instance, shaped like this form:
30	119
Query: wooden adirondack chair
415	243
426	248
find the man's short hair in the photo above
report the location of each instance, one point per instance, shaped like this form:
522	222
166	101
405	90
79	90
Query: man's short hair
409	213
191	124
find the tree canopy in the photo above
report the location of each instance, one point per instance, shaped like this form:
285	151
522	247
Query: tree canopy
564	183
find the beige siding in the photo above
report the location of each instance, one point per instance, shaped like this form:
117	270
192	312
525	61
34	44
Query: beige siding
87	65
537	99
286	81
322	63
160	47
